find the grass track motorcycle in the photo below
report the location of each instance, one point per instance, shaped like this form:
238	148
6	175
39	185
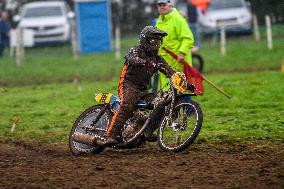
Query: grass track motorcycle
178	127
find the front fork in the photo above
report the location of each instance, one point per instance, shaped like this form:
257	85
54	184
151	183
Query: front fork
101	113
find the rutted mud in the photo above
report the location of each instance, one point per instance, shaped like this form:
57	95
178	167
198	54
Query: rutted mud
256	165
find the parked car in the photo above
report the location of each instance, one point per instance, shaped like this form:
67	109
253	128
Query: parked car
234	15
49	20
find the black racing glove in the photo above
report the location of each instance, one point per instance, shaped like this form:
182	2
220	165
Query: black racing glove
190	87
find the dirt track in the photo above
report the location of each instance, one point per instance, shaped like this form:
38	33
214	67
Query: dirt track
202	166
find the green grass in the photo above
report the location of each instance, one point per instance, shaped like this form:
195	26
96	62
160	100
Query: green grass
255	110
55	64
244	55
47	112
50	90
62	68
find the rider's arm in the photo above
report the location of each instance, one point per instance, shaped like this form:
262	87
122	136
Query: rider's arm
164	67
132	57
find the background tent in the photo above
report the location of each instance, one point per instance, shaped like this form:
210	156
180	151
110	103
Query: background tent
93	25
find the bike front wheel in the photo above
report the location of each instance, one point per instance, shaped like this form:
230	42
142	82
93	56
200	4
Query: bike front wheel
178	130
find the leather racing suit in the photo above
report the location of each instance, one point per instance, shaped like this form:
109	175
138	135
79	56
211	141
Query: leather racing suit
138	69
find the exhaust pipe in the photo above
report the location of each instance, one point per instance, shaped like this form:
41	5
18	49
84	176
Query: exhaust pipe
84	138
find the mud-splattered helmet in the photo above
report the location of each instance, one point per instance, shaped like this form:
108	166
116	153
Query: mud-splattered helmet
151	38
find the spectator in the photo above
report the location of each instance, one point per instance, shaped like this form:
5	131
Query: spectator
179	39
192	17
4	32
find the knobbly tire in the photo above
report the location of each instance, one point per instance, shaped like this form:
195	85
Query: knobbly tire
86	119
198	62
178	133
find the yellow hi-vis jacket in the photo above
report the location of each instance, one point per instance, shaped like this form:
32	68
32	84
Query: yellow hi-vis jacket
179	40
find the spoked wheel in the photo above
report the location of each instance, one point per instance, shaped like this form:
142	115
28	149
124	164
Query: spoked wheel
84	124
178	131
198	62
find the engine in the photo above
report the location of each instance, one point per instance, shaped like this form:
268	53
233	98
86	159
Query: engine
133	124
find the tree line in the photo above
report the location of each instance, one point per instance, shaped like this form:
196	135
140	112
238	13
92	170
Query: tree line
273	8
135	14
132	15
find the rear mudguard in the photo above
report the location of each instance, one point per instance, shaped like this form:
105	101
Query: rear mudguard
108	99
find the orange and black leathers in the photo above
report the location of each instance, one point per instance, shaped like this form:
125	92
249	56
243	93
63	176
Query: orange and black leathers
138	69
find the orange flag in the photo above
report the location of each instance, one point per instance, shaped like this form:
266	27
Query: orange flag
191	74
201	4
195	78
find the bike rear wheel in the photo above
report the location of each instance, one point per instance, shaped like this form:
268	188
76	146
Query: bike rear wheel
84	124
178	131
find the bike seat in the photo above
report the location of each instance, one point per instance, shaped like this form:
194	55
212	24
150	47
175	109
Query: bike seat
141	103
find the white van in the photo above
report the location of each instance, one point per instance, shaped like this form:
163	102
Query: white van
234	15
49	20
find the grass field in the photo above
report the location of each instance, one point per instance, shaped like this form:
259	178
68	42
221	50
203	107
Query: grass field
49	91
47	112
49	65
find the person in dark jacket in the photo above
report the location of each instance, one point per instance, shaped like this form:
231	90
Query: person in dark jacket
192	17
141	62
4	32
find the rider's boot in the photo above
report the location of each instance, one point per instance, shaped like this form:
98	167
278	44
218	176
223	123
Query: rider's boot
110	140
150	136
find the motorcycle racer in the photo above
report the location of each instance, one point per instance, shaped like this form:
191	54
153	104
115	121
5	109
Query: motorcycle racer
141	62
